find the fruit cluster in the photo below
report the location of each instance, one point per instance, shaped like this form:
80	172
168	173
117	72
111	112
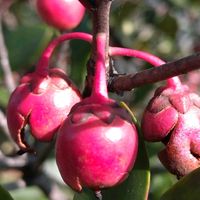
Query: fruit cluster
97	141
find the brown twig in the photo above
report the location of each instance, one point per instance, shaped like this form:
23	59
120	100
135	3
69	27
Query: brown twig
100	19
163	72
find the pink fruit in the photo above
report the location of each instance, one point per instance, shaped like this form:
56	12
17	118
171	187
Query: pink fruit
173	116
42	103
61	14
43	99
97	144
160	116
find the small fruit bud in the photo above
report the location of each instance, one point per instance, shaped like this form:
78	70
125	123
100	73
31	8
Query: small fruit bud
173	117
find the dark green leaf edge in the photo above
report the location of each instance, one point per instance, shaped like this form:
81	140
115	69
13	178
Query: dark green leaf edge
187	188
5	195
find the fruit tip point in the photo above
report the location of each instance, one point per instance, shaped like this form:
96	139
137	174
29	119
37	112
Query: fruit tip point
98	195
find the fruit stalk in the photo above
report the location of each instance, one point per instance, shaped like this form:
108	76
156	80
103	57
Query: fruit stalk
100	86
152	59
153	75
93	139
96	134
100	19
48	92
43	63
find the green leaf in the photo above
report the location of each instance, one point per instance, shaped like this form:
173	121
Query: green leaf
4	195
136	186
186	188
25	44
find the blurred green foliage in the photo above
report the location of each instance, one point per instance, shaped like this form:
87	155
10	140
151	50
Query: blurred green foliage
31	193
169	29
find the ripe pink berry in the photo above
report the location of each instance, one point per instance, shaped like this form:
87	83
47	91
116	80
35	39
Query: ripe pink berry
173	116
97	144
43	99
61	14
42	103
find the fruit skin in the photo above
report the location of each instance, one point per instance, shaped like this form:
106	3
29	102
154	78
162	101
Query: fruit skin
173	117
42	103
96	146
61	14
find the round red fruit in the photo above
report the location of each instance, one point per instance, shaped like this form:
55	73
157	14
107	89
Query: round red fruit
61	14
96	146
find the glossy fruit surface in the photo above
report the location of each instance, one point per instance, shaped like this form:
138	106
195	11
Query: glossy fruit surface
96	146
61	14
42	103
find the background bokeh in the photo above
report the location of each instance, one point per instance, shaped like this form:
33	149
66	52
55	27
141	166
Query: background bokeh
169	29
